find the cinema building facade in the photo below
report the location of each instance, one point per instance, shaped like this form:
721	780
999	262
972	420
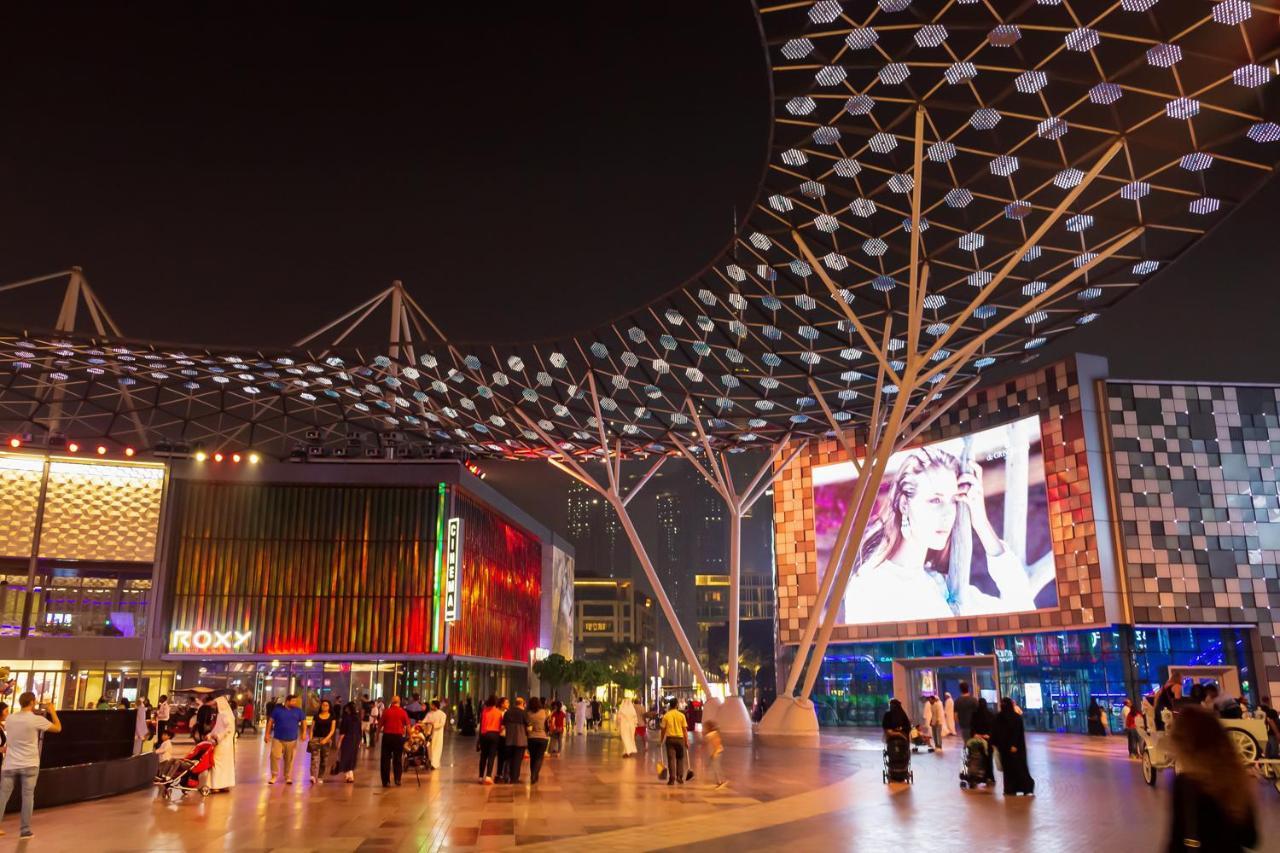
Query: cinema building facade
329	579
1145	516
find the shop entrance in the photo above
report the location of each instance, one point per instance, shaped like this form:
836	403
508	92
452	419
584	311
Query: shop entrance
916	679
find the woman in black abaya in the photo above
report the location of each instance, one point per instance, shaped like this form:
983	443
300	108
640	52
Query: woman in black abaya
1008	736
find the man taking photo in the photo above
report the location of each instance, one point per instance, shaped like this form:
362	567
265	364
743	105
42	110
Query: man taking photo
22	756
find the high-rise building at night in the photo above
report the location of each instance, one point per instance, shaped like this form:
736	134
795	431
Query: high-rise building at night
593	526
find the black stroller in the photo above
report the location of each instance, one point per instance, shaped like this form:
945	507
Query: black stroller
897	758
976	769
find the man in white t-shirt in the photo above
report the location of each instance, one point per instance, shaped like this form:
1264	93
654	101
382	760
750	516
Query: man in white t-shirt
162	716
22	755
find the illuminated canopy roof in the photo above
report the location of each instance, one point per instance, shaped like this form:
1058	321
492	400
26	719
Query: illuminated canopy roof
1153	112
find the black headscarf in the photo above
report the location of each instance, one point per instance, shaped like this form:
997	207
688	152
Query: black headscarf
982	720
896	718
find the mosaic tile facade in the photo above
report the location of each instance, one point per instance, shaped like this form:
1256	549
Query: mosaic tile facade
1054	394
1199	506
93	511
102	512
19	494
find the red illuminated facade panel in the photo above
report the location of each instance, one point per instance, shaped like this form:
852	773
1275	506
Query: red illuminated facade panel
501	586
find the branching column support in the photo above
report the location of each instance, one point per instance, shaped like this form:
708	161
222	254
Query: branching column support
922	374
719	476
612	459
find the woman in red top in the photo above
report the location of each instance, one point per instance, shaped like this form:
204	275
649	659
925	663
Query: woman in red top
558	718
490	738
1131	716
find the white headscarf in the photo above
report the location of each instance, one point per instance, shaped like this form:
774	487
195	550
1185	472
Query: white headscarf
226	720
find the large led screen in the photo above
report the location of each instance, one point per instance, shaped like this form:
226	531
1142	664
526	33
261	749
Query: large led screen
959	528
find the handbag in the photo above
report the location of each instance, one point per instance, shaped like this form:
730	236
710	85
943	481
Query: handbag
313	745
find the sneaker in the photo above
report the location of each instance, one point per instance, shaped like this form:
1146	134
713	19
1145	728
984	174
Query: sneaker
271	781
313	780
26	833
288	781
319	781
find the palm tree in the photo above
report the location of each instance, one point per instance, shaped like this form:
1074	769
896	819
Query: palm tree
751	660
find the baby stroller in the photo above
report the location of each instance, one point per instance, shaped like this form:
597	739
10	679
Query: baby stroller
897	759
416	755
921	738
183	774
977	756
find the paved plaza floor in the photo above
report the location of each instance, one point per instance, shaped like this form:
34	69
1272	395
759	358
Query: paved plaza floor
1090	797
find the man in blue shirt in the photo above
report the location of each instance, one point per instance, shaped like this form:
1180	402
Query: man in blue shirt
285	723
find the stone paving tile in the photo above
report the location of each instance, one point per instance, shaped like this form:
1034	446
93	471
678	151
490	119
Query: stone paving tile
780	798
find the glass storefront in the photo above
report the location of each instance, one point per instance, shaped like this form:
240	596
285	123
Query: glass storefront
80	685
1052	676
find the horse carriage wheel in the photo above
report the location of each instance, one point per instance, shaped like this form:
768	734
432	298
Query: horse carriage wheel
1244	744
1148	769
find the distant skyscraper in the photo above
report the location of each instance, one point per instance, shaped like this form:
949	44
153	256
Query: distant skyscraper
595	534
673	529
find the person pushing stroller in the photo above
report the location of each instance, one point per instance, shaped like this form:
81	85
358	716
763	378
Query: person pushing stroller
897	749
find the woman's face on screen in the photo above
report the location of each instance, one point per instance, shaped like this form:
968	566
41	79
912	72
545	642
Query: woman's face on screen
930	513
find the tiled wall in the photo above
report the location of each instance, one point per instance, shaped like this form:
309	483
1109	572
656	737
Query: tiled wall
1054	394
1199	506
93	510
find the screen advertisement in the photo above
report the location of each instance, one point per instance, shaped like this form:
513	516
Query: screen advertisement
959	528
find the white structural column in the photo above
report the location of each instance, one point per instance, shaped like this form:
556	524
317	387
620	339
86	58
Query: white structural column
732	716
918	377
612	460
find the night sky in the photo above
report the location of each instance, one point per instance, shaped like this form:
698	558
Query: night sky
231	175
243	172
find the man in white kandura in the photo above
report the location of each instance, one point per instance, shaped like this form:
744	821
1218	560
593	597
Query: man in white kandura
439	721
223	775
627	727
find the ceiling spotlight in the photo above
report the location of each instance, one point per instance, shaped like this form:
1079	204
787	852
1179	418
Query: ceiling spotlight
102	450
254	459
73	447
129	451
201	456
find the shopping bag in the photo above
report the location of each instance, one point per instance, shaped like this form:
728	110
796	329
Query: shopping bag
662	771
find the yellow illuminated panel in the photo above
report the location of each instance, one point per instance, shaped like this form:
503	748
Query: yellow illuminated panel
93	510
19	492
98	511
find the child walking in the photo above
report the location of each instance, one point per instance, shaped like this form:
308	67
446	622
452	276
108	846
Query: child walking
715	749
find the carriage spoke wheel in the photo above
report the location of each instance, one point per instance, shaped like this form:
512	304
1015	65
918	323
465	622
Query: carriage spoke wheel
1148	769
1244	744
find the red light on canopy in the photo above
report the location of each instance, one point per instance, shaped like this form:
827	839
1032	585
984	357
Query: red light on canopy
15	442
217	457
73	447
102	450
129	451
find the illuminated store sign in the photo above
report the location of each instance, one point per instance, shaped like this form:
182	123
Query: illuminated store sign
452	570
219	642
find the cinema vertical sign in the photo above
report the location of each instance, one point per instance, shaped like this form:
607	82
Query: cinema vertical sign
453	570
